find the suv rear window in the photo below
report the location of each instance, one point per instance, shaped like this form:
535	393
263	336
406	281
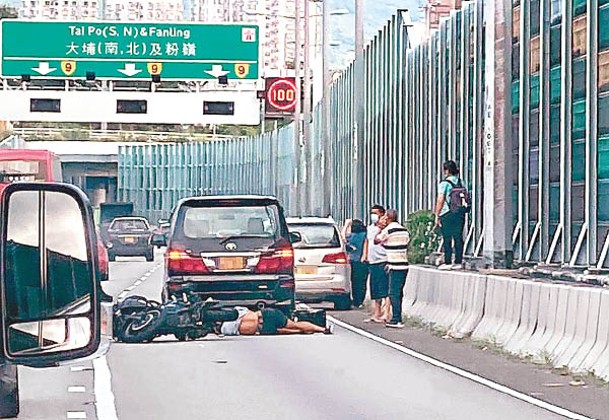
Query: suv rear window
210	228
316	235
129	225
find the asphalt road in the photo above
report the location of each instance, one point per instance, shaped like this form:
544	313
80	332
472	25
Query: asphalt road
343	376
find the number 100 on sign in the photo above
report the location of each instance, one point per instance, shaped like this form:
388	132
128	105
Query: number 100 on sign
281	96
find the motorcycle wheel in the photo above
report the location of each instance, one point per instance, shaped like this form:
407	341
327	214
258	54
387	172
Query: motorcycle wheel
142	330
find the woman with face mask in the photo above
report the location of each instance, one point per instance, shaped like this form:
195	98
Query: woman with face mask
376	257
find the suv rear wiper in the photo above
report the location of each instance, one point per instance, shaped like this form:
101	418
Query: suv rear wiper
230	238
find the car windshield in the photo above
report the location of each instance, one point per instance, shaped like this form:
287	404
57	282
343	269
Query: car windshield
129	225
229	222
316	235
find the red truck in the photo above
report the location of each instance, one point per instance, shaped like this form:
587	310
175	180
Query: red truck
27	165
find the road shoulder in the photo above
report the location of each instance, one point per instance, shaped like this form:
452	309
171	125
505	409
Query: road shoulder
539	381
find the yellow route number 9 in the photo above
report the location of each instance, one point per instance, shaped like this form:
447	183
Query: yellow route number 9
242	70
68	67
155	68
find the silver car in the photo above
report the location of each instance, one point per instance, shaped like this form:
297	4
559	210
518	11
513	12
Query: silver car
322	271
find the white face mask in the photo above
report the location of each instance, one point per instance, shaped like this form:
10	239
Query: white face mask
374	218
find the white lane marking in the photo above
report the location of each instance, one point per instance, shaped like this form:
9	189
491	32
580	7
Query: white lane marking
76	389
463	373
76	415
104	398
138	282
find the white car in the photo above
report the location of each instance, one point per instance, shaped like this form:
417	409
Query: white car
321	267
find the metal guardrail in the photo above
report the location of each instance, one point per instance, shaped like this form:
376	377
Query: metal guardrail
112	135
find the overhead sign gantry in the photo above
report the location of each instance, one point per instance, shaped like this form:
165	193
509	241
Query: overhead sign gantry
134	51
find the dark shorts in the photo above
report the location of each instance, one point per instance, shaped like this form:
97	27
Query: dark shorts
272	320
379	281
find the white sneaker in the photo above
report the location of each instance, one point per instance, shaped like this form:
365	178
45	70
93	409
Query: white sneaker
457	267
446	267
397	325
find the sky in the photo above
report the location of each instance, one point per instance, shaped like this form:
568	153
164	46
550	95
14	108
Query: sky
377	13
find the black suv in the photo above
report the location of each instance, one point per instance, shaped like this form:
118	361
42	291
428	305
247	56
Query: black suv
234	249
130	237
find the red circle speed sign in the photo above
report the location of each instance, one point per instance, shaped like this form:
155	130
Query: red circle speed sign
281	95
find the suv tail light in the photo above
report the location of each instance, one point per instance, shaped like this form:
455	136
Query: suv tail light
279	262
180	262
339	258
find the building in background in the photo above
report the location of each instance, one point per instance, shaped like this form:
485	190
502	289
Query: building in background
435	10
134	10
275	19
127	10
60	9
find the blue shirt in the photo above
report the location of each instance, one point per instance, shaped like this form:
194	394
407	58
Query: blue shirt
445	188
356	240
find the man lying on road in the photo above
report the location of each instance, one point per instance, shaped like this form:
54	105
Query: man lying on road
267	322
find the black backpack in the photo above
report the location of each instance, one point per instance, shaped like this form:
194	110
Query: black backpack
459	200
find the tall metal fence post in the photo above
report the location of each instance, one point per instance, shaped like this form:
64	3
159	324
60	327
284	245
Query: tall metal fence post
497	249
359	190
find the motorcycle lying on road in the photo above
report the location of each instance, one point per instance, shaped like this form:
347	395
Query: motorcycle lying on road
139	320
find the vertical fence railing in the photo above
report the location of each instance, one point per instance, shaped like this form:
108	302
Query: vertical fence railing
424	105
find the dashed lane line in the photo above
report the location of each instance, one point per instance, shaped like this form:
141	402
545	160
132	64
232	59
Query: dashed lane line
138	282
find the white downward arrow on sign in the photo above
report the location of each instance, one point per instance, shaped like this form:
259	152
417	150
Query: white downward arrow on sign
43	68
217	71
129	70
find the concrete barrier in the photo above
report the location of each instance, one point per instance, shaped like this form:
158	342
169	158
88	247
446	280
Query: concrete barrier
423	292
512	311
586	333
566	300
494	309
528	317
548	298
473	308
567	325
575	331
450	303
601	343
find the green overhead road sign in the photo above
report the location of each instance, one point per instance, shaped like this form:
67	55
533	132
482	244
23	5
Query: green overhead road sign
135	51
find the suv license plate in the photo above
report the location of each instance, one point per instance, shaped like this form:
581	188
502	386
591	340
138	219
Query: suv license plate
231	263
130	240
305	270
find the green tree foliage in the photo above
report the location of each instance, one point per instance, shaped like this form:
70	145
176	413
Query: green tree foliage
423	237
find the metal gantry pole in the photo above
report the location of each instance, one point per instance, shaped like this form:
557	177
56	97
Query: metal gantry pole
591	208
298	169
358	126
566	115
306	143
544	130
524	129
325	129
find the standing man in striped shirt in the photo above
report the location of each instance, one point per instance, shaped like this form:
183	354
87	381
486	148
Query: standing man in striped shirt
395	238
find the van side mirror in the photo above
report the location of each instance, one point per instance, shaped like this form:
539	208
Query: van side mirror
49	291
295	237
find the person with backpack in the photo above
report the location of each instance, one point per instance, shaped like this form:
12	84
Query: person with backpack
452	206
